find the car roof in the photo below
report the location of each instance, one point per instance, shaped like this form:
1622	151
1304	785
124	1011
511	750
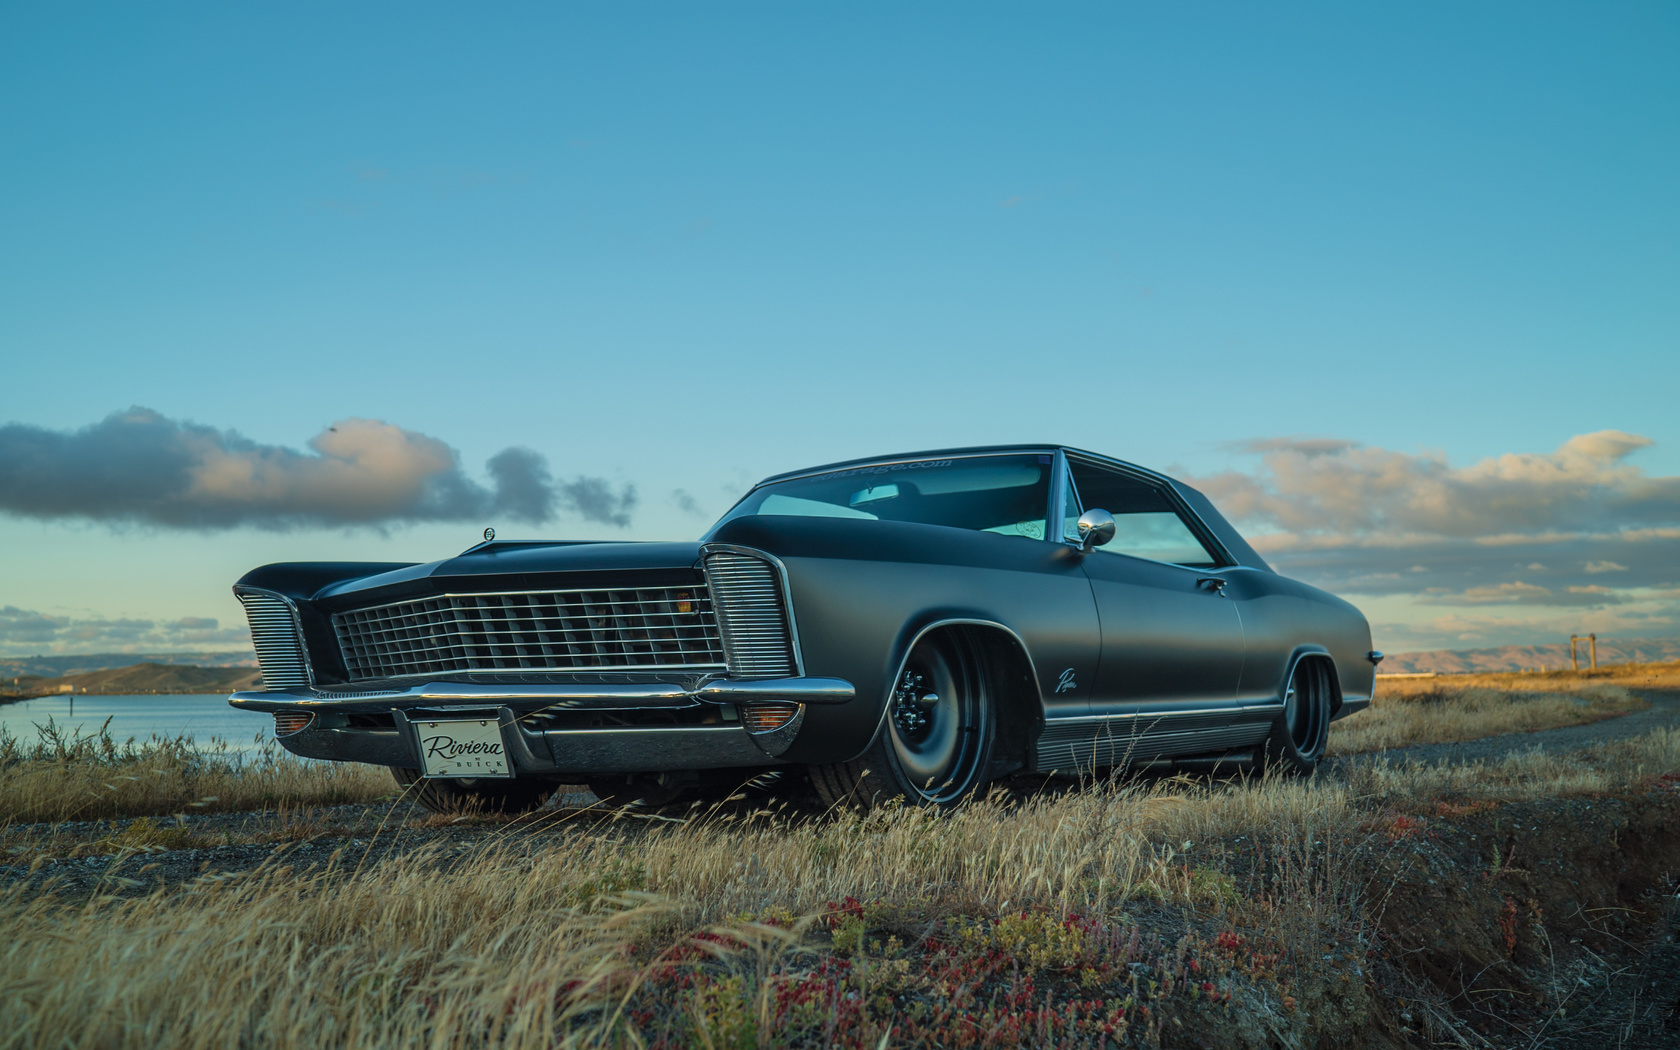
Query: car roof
970	450
1200	505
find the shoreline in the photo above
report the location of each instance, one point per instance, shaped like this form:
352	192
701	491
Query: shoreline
6	698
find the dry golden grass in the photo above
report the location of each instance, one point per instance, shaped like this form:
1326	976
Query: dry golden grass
521	944
1445	709
540	942
1526	776
25	844
83	777
514	947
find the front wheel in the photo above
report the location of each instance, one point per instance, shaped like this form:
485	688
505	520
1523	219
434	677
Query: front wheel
487	795
1297	740
933	746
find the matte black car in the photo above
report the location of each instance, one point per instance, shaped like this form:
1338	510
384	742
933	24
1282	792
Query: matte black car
910	626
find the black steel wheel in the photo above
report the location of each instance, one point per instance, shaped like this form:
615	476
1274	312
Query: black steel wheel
936	738
488	795
1298	736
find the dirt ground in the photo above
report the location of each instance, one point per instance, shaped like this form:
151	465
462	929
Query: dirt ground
1551	923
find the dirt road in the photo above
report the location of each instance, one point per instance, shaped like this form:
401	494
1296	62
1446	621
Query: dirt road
1664	713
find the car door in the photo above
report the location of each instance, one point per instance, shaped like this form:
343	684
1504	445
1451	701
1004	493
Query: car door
1172	641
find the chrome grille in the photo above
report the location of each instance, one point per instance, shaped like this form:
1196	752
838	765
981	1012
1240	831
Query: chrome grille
752	615
274	635
640	629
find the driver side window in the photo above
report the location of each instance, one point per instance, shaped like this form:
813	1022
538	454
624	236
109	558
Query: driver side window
1146	523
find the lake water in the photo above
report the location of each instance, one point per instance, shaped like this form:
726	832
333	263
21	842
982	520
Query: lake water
200	716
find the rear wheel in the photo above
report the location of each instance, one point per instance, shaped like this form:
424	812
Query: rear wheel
934	745
497	795
1298	736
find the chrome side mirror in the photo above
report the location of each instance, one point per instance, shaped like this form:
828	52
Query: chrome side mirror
1096	527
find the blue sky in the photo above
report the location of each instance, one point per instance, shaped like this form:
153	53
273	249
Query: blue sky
683	247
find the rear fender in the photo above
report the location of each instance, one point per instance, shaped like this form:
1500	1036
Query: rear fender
1313	652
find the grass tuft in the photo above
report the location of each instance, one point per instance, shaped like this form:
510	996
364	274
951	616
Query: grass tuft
81	776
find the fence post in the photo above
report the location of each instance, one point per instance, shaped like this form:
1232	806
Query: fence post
1574	661
1592	649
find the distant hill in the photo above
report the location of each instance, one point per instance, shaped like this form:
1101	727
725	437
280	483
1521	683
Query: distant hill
147	678
54	666
1554	657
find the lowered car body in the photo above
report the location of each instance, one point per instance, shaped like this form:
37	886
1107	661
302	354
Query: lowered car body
946	618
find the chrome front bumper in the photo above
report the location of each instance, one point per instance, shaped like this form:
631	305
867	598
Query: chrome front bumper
538	751
564	696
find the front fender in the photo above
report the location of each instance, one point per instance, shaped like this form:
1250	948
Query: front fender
861	591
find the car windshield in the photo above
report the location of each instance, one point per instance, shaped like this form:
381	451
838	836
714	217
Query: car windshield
1002	494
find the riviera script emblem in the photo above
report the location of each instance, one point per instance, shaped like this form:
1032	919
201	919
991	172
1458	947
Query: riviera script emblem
446	747
1066	682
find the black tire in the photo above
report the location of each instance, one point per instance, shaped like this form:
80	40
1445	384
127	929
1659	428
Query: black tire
486	795
935	741
1297	740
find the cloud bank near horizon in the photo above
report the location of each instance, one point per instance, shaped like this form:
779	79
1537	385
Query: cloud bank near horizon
1501	551
1315	487
26	632
140	467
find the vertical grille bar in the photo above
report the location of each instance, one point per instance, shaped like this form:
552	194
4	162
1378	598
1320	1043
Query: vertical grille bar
752	615
274	635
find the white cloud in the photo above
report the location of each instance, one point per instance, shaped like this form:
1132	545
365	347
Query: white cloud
1318	487
1520	531
138	466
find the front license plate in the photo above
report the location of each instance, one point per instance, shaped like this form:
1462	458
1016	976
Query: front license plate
468	748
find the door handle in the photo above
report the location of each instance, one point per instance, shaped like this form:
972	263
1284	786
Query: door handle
1216	584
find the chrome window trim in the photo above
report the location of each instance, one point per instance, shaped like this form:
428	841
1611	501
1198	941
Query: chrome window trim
1060	479
893	460
297	625
1163	484
708	549
1058	462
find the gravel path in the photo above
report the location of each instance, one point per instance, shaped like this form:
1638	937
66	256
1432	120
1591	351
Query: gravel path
1664	712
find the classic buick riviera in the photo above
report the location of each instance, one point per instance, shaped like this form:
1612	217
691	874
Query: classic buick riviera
909	627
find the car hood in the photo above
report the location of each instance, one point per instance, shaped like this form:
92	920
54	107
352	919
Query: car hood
516	566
